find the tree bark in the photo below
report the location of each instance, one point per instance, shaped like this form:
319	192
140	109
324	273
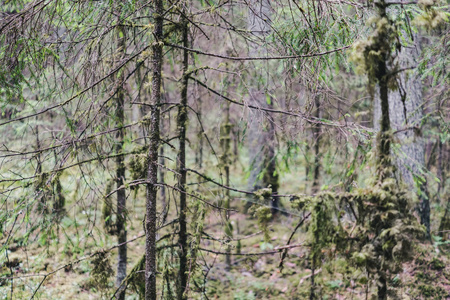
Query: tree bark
316	136
225	140
120	171
152	171
384	136
182	124
406	112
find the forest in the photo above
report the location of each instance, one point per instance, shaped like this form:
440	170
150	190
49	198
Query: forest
224	149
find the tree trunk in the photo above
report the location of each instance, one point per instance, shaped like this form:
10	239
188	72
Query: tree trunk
120	170
162	170
225	143
42	206
316	136
182	123
152	171
382	287
384	136
406	113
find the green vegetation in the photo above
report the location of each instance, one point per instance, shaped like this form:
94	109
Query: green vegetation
221	149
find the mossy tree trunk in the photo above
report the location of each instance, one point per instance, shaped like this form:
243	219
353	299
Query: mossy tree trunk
120	168
406	114
152	170
316	136
384	136
42	205
182	121
271	177
225	143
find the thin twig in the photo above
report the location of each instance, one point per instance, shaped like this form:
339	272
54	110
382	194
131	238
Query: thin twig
257	58
290	238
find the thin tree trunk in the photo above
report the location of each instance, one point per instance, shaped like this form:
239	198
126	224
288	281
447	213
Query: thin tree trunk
162	171
384	136
271	175
120	171
316	136
225	140
59	199
384	140
42	206
182	122
152	171
199	153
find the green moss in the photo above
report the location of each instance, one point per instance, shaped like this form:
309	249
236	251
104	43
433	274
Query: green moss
136	278
437	264
107	208
101	271
366	54
263	214
383	232
138	167
430	291
429	18
263	193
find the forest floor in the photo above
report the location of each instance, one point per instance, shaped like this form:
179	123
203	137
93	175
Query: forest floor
248	277
57	261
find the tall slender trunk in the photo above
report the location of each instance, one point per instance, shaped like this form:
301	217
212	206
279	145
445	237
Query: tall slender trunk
42	206
152	171
59	199
270	176
384	136
162	171
120	169
316	136
383	139
182	122
225	140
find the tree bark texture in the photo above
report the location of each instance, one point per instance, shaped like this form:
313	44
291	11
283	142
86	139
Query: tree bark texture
152	171
316	136
406	113
384	136
120	169
225	144
182	124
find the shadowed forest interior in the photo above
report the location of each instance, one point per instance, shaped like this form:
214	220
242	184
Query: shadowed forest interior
224	149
